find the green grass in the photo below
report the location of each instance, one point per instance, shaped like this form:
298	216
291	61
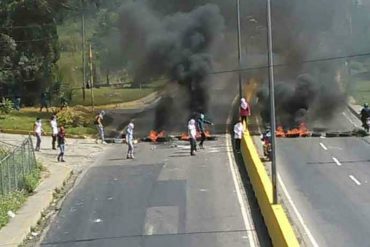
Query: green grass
13	202
106	96
361	91
24	120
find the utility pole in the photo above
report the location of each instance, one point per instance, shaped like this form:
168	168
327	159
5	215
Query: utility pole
91	78
239	49
83	53
272	102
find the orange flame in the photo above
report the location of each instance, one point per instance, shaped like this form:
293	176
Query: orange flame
280	132
154	135
185	137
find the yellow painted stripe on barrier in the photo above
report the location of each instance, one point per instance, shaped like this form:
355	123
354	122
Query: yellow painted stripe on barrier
279	228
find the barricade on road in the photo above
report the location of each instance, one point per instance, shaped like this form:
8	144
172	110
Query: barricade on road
16	165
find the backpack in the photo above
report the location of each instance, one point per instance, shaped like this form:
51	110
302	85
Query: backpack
96	120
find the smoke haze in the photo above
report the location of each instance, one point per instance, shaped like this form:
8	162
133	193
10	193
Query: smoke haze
174	46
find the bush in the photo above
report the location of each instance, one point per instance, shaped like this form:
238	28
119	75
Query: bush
6	106
32	180
77	117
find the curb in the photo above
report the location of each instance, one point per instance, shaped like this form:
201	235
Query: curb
280	230
14	233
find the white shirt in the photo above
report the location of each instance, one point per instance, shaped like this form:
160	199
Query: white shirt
130	132
54	126
238	130
38	127
192	130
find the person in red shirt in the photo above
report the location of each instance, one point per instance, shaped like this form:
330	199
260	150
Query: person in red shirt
245	110
61	144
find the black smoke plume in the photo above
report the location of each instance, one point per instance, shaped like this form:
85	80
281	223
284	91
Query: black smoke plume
305	99
174	46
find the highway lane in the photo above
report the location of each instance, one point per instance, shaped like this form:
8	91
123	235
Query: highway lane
163	198
326	186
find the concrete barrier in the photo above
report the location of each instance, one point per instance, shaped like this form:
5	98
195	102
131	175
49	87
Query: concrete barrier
279	228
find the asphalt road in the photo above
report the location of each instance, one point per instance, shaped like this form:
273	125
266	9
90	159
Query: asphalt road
325	184
163	198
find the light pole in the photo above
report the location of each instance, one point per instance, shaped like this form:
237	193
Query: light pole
239	48
83	49
272	102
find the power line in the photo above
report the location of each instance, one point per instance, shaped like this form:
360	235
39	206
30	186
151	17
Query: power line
29	40
266	66
28	26
286	64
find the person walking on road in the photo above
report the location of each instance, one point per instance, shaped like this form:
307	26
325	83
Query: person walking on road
238	133
365	114
130	140
201	121
192	132
61	144
245	110
54	130
37	129
99	126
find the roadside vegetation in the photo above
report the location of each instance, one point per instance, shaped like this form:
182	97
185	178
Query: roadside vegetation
13	201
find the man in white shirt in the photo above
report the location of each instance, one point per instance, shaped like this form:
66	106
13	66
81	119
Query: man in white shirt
130	140
54	130
238	133
37	129
192	131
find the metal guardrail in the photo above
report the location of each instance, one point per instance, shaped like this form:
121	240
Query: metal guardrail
14	167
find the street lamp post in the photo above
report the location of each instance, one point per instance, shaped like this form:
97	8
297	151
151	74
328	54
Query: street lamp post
239	48
83	49
272	102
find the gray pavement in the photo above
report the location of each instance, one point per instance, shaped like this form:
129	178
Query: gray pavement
324	183
163	198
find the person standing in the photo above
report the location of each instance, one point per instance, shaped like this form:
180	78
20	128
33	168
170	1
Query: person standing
192	132
365	114
54	130
130	140
99	126
17	103
245	110
238	133
43	102
37	129
201	121
61	144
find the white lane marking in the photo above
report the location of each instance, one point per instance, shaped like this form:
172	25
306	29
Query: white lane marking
253	242
203	190
323	146
299	216
354	179
336	161
349	119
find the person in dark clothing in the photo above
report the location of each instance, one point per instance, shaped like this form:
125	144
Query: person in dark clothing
61	144
17	103
63	102
365	114
43	102
201	121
